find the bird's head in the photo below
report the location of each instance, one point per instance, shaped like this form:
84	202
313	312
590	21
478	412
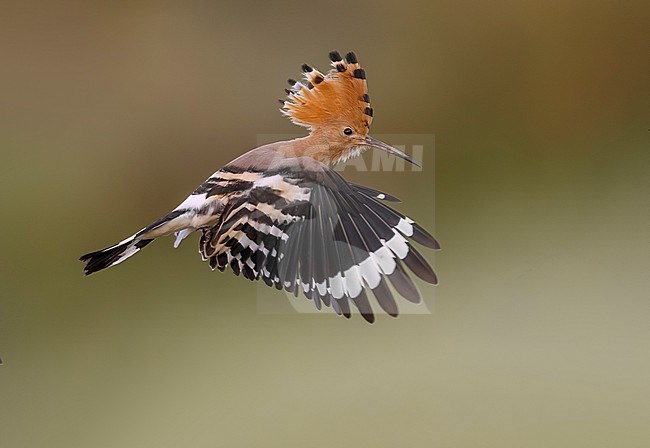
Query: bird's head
335	107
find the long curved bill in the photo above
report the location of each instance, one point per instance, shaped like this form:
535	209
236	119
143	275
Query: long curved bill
378	144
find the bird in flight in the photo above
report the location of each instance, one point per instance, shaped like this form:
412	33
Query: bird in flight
282	214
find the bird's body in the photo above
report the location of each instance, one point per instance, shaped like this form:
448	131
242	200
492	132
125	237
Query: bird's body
281	214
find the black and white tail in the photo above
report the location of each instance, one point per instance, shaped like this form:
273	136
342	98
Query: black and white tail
175	222
102	259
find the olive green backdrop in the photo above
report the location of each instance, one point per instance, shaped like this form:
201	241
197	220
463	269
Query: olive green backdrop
112	112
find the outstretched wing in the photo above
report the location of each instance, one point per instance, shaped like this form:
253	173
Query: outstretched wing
305	228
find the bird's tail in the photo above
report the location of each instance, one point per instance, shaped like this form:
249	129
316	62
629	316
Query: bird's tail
102	259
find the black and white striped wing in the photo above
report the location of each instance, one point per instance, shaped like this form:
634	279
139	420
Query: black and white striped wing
310	230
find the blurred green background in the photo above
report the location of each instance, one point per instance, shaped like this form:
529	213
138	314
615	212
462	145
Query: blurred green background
112	112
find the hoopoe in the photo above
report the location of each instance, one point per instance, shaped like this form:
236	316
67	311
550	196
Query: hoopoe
282	214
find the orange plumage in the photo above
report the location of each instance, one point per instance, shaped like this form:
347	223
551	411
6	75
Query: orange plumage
340	96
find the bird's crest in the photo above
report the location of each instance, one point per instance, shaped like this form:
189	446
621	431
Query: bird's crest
340	95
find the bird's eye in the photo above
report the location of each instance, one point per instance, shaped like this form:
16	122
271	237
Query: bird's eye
347	131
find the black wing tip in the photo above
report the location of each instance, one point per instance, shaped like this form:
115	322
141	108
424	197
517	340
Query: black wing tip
430	242
430	277
419	266
385	298
423	237
404	285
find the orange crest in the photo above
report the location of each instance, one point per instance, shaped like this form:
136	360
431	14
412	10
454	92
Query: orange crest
339	96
